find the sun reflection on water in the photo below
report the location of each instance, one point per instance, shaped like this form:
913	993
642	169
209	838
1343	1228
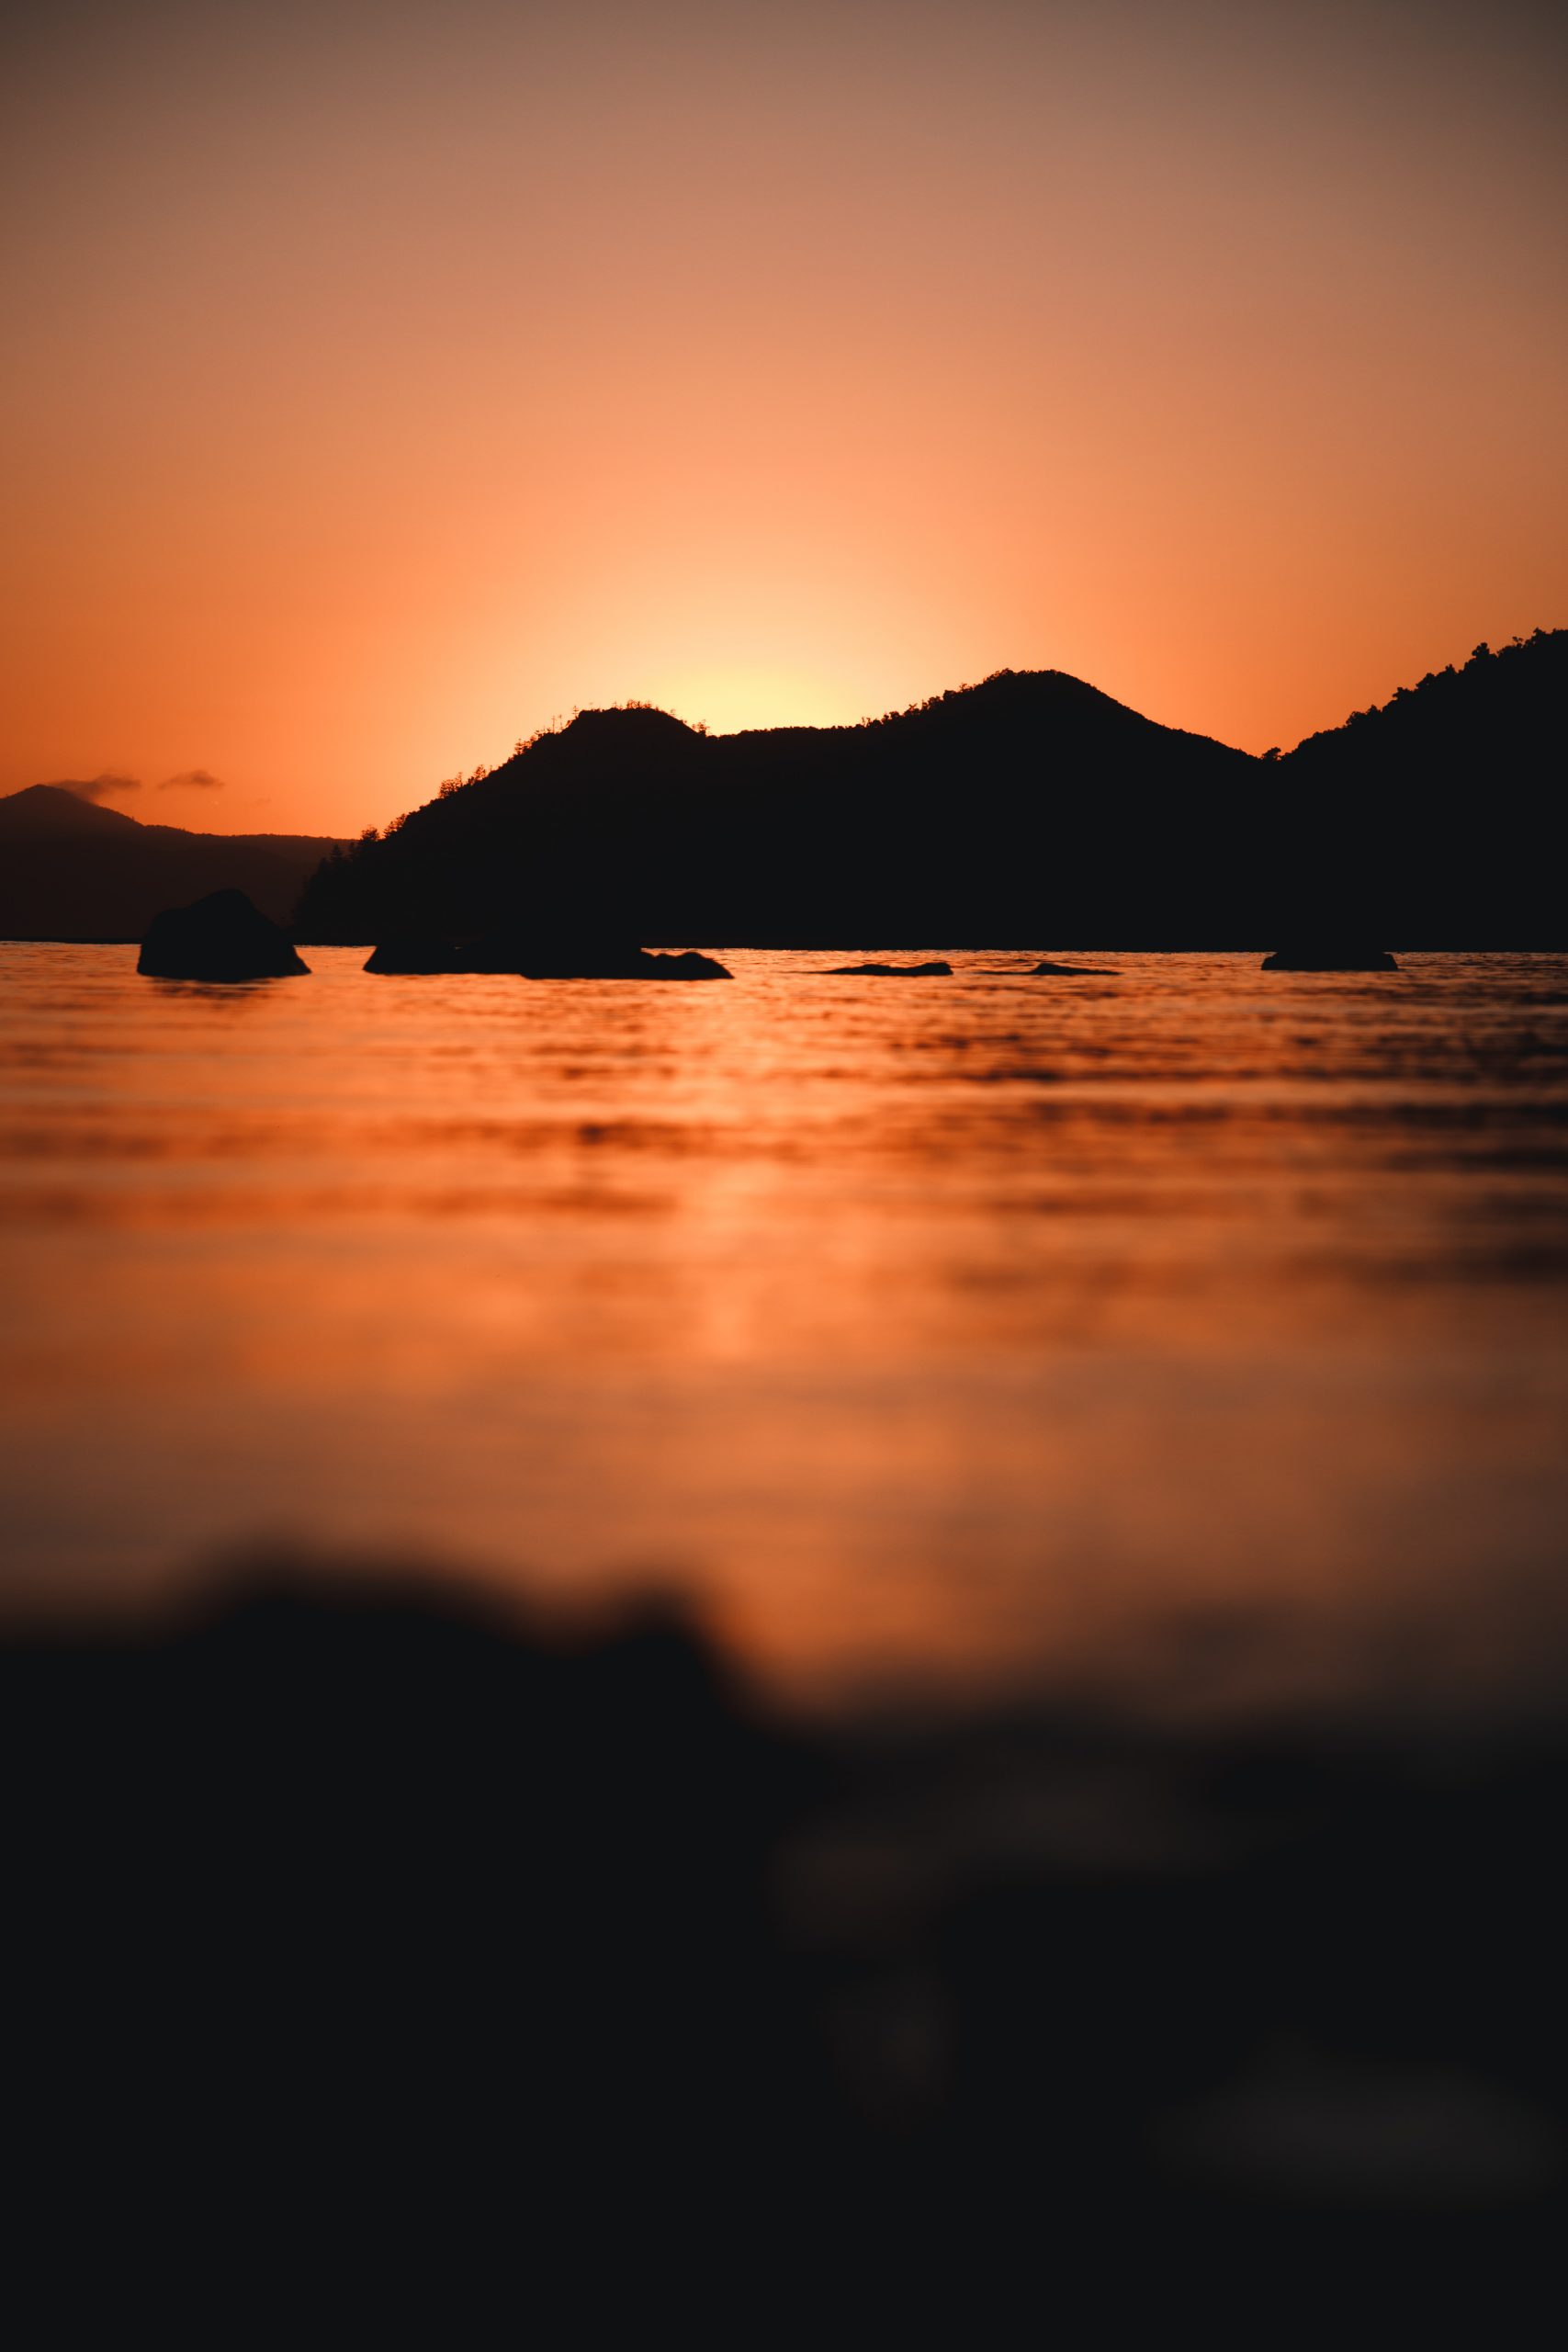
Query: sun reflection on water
937	1331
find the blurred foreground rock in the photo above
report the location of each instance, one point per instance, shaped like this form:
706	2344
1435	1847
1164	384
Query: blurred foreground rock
385	1956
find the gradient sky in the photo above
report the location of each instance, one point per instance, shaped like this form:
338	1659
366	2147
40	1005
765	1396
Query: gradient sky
380	380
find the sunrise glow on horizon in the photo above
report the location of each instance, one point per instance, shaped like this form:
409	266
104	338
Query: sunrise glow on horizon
383	383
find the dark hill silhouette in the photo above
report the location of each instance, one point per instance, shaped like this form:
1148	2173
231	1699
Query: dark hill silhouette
1028	806
69	869
47	812
994	812
1438	815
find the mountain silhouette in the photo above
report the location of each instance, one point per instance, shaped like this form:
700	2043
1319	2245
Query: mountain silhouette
1031	805
1027	807
976	817
1438	816
69	869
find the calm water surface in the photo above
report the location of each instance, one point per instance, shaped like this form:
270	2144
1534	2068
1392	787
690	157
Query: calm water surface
942	1330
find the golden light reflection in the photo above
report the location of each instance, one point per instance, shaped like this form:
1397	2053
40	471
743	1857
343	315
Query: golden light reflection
925	1334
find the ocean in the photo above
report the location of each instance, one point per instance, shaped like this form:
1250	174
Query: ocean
1197	1332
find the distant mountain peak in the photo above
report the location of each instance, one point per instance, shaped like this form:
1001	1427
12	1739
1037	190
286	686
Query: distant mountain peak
42	810
74	870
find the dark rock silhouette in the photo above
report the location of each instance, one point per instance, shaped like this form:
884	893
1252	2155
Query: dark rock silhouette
221	937
1045	969
416	957
347	1925
936	970
71	870
625	964
545	960
1330	959
1029	804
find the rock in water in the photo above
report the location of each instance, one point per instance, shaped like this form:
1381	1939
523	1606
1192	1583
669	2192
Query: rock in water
631	964
1045	968
1330	959
414	956
937	970
543	960
220	937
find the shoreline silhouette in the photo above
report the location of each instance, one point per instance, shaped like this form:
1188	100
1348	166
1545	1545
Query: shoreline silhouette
990	815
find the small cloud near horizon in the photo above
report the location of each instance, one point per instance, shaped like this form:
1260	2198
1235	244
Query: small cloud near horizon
96	788
192	780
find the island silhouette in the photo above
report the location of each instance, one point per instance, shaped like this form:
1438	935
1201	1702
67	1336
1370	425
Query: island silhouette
1029	805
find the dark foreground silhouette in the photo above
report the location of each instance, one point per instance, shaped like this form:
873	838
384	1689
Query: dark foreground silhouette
376	1957
544	959
221	937
1031	805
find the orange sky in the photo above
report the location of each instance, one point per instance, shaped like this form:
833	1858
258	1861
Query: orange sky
381	379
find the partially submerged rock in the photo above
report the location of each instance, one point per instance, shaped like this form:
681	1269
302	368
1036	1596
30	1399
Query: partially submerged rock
1045	968
626	963
542	960
934	970
414	956
220	937
1330	959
